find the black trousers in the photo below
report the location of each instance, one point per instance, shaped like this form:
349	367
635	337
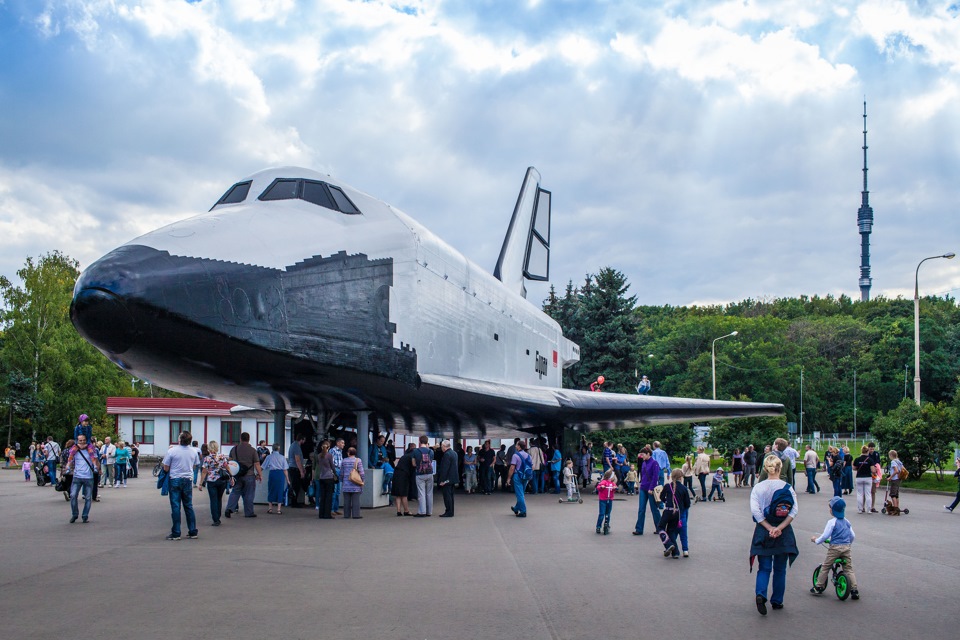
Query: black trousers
325	499
447	498
293	491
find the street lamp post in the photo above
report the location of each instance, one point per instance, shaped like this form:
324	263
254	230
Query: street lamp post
713	360
916	325
801	402
854	405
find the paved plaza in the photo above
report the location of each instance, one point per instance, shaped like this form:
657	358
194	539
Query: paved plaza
482	574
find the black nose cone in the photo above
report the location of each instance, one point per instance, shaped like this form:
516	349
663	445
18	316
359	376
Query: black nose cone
103	319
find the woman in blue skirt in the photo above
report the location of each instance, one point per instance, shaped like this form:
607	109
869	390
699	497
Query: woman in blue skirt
275	465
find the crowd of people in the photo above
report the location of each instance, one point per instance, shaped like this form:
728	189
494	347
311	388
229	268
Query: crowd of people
330	477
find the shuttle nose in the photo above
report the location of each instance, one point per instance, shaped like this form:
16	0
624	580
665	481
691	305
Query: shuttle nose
99	310
102	318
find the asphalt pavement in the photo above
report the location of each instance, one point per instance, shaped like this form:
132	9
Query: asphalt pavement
482	574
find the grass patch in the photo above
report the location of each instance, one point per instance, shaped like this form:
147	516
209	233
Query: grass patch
929	482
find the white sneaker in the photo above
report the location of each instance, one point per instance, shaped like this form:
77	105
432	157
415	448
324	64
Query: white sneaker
947	509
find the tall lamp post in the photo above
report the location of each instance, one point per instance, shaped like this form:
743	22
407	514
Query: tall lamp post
916	325
854	405
713	360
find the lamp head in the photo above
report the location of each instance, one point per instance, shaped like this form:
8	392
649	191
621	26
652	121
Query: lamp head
949	256
734	333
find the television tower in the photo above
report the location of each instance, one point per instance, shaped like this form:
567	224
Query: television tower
865	221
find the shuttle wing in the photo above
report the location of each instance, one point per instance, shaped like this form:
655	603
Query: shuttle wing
489	408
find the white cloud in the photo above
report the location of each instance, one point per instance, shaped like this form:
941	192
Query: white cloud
220	57
579	50
264	10
931	33
930	103
733	14
776	65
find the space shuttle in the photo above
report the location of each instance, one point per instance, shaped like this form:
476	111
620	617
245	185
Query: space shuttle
298	291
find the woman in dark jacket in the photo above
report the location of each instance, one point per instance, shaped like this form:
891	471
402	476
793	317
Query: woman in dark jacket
673	520
402	479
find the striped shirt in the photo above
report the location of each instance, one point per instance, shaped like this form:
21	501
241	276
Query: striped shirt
348	465
337	454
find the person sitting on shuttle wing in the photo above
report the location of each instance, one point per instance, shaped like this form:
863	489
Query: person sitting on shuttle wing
643	387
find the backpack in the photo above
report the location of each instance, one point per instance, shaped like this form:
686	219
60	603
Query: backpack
780	505
426	464
525	470
902	473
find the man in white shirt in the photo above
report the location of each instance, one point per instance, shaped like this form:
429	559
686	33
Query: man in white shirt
791	454
810	462
196	467
52	451
108	456
179	462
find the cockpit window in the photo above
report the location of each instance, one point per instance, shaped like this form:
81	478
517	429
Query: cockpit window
315	192
281	190
312	191
343	202
236	193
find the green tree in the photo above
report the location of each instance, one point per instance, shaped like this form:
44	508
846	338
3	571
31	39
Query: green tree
922	436
608	347
727	435
68	375
23	406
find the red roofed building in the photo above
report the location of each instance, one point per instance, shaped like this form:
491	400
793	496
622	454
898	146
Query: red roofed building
155	423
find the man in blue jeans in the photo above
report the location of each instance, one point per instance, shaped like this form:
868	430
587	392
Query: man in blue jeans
521	461
649	475
52	451
810	463
82	464
337	453
179	462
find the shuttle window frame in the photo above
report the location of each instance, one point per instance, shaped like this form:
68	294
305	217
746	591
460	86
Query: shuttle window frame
343	202
328	200
231	195
338	200
279	184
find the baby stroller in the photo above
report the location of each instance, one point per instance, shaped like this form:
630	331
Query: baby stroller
888	507
63	485
43	476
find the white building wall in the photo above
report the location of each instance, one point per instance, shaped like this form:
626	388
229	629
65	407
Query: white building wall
203	428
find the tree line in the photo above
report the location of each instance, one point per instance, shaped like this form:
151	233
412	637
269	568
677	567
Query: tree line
841	347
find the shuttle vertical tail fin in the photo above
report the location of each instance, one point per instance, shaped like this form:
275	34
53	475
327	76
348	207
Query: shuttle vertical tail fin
525	254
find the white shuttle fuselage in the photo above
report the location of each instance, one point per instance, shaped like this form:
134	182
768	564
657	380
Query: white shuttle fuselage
296	290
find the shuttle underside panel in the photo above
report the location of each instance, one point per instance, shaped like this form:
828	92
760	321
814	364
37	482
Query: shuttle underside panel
332	312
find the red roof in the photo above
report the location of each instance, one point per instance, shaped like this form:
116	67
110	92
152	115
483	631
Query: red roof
168	406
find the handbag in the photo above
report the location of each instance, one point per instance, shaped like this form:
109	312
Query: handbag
355	476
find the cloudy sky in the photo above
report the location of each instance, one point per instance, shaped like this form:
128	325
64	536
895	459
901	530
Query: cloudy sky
710	150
